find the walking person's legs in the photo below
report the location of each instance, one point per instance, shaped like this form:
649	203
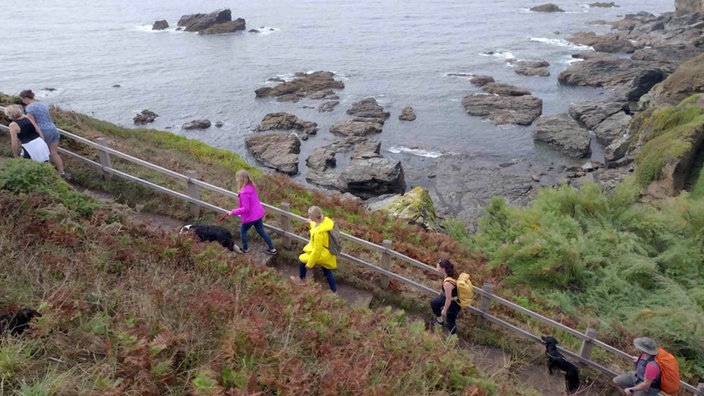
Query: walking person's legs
452	312
243	235
436	305
259	227
302	270
331	279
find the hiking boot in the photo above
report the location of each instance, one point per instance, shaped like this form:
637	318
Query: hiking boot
271	252
65	176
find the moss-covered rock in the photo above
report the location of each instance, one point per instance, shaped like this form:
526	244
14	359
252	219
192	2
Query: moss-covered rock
416	206
670	138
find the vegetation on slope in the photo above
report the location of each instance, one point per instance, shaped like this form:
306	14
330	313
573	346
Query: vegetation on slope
577	255
130	311
628	268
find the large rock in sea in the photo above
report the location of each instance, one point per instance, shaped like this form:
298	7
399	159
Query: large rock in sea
371	177
630	78
160	25
415	206
368	109
563	133
521	110
549	7
591	113
356	128
209	23
287	122
275	150
145	117
304	85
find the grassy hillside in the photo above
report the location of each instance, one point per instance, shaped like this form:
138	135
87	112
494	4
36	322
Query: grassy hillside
577	255
130	311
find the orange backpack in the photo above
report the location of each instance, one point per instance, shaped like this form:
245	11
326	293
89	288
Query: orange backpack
669	371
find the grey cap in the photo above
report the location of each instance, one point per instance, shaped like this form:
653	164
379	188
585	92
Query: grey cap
646	345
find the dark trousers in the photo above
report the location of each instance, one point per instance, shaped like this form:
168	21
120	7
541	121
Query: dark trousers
259	226
438	303
303	270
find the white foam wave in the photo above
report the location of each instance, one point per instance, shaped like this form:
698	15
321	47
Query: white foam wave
561	43
414	151
148	29
503	54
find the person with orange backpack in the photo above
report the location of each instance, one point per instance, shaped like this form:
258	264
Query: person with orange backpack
656	370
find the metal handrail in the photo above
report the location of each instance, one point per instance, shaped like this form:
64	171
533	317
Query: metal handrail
369	245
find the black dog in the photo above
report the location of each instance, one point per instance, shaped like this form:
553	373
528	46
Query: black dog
17	323
556	360
208	233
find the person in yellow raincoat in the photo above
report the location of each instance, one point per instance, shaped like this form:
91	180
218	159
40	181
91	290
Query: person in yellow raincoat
316	252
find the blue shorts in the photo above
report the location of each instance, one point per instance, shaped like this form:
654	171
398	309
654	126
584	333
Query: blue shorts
51	137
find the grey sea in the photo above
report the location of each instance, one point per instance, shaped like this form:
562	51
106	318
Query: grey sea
103	59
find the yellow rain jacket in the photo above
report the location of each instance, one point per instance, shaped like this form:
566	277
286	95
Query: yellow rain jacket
316	251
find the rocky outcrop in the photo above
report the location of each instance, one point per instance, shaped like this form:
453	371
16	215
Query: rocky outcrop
689	6
563	133
225	27
275	150
304	85
592	112
531	68
603	5
510	105
197	124
629	78
219	21
321	159
160	25
371	177
415	206
355	128
287	122
481	80
368	110
145	117
687	80
547	8
407	114
612	128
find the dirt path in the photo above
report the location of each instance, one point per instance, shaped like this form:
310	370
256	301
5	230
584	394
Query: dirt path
495	363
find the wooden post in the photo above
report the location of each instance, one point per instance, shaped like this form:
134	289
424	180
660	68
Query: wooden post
586	351
104	157
192	191
484	301
385	263
286	224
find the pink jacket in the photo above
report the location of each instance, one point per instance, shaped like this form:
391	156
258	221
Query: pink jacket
250	208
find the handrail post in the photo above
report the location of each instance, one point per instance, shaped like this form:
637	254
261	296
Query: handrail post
104	157
385	263
286	224
485	300
700	388
192	191
586	351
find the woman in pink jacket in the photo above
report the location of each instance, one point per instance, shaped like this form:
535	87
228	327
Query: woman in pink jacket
251	212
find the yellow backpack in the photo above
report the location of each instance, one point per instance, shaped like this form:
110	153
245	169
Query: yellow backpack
465	292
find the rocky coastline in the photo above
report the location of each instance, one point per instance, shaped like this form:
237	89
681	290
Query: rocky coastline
639	64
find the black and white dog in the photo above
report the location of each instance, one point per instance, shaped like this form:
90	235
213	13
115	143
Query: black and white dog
556	360
208	233
18	322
